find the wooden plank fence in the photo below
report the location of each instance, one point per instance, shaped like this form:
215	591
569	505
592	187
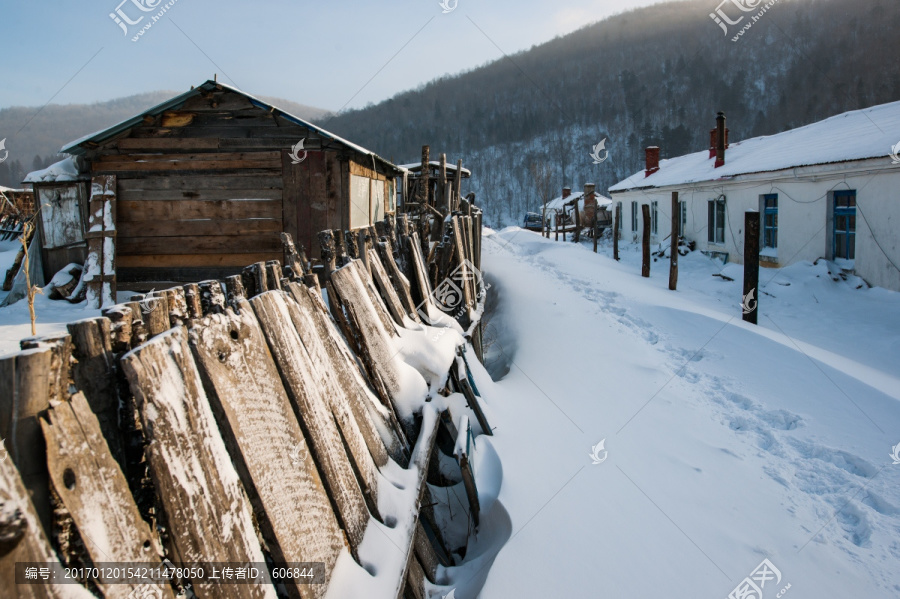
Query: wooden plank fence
239	422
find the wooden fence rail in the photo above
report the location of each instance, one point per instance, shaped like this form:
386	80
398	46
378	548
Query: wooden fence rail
246	421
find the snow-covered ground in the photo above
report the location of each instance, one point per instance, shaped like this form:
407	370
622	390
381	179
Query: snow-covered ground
52	316
727	443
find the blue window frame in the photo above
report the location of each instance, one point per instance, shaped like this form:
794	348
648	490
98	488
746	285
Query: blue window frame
770	220
844	233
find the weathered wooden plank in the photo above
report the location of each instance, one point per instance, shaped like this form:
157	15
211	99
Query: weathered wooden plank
321	216
377	424
199	228
421	288
24	541
202	184
95	493
295	175
376	349
184	165
198	194
234	262
141	246
268	445
136	143
24	394
303	385
202	499
386	289
380	308
398	279
161	158
94	374
425	553
138	211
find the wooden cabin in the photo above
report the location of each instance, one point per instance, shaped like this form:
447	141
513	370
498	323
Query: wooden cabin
203	185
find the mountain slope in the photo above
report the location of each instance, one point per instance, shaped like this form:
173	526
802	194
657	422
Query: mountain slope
653	76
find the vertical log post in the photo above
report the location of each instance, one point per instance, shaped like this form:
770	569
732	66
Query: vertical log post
457	185
616	233
673	249
750	301
576	237
424	178
329	260
444	188
556	226
645	241
24	394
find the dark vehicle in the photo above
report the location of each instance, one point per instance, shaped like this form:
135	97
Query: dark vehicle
533	221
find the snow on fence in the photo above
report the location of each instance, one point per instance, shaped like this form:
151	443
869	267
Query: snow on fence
251	424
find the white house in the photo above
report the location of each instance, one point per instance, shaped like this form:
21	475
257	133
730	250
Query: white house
827	190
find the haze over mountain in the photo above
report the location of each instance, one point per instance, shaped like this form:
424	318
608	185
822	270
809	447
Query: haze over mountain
653	76
37	144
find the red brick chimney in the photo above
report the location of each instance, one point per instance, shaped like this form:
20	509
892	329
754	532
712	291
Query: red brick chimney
567	191
652	160
721	139
713	136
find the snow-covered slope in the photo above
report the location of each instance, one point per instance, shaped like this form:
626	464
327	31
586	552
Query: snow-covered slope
727	443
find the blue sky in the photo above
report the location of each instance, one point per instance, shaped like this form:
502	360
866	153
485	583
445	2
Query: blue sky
317	53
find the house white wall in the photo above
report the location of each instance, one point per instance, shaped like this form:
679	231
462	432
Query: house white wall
805	206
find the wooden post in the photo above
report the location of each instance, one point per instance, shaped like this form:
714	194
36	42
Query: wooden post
100	266
24	394
673	249
750	301
95	375
645	242
212	298
329	259
577	236
424	177
556	225
616	233
445	196
457	185
192	297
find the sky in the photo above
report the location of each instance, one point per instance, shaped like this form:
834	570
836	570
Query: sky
333	55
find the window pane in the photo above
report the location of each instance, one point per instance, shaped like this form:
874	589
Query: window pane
840	246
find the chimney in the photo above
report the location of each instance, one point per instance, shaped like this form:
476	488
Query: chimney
567	191
721	139
652	160
590	201
713	136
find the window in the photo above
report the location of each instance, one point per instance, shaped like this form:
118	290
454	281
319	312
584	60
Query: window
844	238
634	216
770	220
683	220
716	211
654	217
360	188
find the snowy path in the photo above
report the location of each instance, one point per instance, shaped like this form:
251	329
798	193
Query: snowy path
727	443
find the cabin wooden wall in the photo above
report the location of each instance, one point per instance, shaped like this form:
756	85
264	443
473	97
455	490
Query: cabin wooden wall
206	189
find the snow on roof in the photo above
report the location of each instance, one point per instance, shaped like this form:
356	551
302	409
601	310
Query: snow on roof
64	170
10	190
854	135
417	166
74	147
557	203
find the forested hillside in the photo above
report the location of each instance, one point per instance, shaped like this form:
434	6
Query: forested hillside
654	76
